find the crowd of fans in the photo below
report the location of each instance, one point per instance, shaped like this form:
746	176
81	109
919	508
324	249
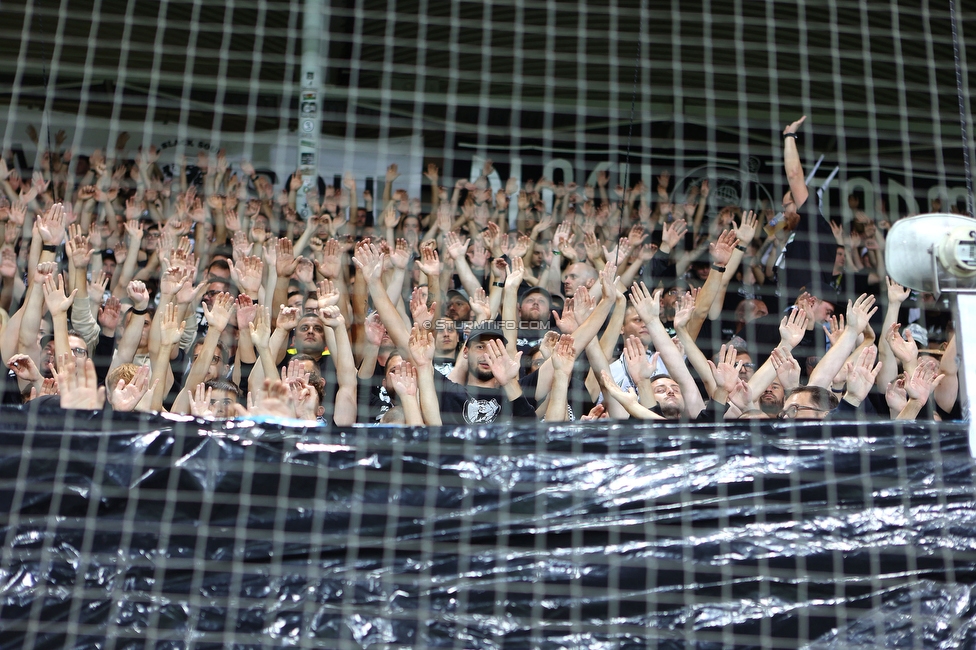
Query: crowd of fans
207	294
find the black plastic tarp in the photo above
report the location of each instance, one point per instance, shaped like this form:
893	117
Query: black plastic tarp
129	532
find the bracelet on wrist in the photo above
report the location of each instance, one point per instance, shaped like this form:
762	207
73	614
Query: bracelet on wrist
556	253
793	135
140	312
48	248
499	284
742	248
720	269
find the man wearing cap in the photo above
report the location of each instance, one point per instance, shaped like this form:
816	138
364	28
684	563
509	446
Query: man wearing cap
492	393
535	306
458	307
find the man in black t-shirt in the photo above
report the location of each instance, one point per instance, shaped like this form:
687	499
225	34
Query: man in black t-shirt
492	393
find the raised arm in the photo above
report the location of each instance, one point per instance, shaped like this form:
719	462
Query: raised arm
721	251
217	318
337	338
132	333
422	354
649	308
563	359
897	295
58	304
456	249
170	330
858	315
370	261
791	159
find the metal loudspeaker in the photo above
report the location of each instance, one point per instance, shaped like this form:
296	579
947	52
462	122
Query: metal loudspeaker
933	252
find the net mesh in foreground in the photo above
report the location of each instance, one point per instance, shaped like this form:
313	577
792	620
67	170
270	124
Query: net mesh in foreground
131	534
153	533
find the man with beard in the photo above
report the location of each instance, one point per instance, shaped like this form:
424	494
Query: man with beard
534	308
492	393
771	400
458	307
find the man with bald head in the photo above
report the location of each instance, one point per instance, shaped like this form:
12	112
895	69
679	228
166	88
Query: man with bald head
580	274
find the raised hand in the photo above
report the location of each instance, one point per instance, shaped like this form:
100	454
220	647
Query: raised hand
332	317
172	281
25	368
331	265
400	256
479	255
241	246
305	271
897	294
567	322
787	368
54	297
514	274
582	305
648	305
246	310
328	294
904	349
635	358
791	128
110	313
421	346
78	384
721	250
135	232
429	262
171	328
561	238
611	389
200	399
608	279
859	312
370	261
741	396
44	271
684	309
286	262
247	274
218	315
138	294
726	373
792	328
747	229
923	380
288	318
834	327
8	263
260	328
51	225
503	367
480	307
861	375
672	233
79	251
564	355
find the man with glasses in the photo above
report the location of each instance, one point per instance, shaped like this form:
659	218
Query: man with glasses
808	403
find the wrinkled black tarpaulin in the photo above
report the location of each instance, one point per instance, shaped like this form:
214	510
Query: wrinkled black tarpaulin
153	532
